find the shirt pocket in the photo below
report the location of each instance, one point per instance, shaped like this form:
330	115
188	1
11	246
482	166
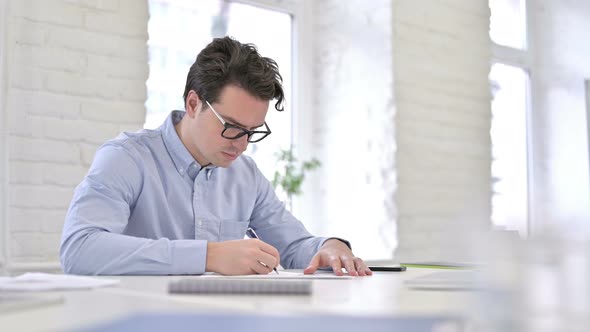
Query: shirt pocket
232	230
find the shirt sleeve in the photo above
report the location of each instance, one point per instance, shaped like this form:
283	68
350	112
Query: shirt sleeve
276	226
92	240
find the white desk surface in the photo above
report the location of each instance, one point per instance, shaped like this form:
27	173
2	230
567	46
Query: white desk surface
382	294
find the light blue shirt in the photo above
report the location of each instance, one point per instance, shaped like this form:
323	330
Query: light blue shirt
147	207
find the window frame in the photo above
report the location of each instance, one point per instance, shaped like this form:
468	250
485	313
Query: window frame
524	59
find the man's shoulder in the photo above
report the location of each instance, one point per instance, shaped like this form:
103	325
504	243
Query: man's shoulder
138	140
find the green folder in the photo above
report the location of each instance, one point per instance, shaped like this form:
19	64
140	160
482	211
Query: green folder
438	265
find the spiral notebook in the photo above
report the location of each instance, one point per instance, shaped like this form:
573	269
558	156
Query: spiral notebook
240	286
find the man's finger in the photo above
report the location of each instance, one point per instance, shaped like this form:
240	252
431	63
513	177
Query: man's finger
267	248
260	268
266	259
349	265
362	269
313	265
336	266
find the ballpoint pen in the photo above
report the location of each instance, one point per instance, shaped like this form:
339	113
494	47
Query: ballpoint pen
252	234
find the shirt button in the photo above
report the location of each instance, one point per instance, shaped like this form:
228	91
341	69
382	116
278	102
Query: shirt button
200	222
181	170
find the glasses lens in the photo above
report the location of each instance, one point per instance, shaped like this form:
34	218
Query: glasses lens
256	137
232	133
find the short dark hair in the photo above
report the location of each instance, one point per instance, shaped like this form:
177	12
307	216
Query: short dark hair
226	61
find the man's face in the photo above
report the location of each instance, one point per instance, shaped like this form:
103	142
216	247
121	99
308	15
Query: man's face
236	107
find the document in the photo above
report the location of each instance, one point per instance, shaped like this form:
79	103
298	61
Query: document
34	282
283	274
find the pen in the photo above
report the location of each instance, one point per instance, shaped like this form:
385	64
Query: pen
252	234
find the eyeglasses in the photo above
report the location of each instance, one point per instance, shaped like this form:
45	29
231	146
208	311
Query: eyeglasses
231	131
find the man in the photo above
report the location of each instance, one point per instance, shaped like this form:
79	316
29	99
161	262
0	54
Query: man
179	199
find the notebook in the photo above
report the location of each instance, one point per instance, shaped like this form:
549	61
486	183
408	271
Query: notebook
240	286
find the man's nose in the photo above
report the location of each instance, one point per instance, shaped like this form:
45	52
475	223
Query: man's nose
241	143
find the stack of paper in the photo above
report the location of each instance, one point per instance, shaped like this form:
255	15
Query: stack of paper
32	282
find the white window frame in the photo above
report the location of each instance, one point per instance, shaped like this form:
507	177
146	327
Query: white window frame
3	142
524	59
587	89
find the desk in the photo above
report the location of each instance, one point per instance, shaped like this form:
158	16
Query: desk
383	294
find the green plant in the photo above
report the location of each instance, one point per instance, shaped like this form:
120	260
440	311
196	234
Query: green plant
290	172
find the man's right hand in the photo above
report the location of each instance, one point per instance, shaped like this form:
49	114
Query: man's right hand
236	257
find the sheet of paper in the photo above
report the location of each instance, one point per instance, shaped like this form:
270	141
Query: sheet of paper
282	275
31	282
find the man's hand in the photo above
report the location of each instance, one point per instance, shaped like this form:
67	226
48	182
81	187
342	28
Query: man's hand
236	257
336	254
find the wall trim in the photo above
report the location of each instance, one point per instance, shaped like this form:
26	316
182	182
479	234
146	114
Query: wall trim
3	140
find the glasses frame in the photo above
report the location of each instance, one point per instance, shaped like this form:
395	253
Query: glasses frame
244	131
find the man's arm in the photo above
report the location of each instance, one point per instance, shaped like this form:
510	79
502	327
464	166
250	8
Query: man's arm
298	248
92	240
276	226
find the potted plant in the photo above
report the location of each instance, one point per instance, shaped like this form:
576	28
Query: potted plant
290	173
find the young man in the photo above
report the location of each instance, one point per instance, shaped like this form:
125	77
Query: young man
179	199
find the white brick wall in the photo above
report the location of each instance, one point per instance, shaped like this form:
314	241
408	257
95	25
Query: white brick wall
75	73
442	97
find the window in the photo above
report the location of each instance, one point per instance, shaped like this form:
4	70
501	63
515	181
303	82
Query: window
178	30
508	23
510	83
509	146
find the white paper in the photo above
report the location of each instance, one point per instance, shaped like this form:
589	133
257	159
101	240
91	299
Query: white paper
32	282
282	275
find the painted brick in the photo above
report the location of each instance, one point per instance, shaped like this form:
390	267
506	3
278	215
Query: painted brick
24	172
25	220
50	11
99	65
27	78
49	58
105	5
87	153
43	104
52	221
50	197
72	84
27	149
26	32
98	43
441	60
116	24
134	8
26	244
127	112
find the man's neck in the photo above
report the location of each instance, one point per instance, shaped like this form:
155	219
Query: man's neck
182	129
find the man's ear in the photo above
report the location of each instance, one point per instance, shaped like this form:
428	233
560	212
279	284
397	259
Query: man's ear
193	104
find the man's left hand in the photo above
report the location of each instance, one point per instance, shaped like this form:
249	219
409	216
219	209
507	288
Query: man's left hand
336	254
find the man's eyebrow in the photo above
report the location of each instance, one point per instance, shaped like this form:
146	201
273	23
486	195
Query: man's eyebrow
235	122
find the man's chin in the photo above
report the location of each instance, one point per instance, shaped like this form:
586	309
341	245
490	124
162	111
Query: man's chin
224	163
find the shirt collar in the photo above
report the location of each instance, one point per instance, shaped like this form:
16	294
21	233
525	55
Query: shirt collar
183	160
